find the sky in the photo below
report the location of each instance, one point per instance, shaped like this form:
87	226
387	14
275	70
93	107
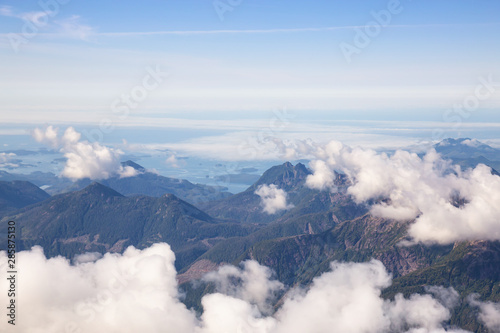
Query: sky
202	77
200	89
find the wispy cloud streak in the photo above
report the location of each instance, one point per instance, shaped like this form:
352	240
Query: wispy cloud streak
261	31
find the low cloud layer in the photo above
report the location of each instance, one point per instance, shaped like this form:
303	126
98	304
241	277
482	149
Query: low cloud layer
446	203
84	159
489	313
6	160
272	198
252	284
138	292
133	292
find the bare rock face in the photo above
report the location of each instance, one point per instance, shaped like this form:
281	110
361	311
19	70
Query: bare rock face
482	259
197	270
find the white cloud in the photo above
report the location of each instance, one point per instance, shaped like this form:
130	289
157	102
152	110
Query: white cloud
137	291
322	178
84	159
5	160
347	299
272	198
252	284
265	31
47	137
489	313
127	171
6	11
87	257
421	313
4	157
133	292
471	143
174	162
447	296
38	18
446	203
73	27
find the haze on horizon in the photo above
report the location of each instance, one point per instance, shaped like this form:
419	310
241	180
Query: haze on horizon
201	73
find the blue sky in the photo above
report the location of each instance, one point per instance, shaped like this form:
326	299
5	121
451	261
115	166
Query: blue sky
228	72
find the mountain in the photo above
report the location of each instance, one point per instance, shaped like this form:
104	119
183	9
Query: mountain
464	148
48	181
246	207
239	178
468	153
145	183
298	256
298	243
100	219
313	211
473	162
470	267
154	185
18	194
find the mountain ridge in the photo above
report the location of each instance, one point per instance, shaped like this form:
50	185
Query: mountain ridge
18	194
98	218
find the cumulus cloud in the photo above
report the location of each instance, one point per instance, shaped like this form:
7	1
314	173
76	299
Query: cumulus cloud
133	292
137	291
127	171
489	313
322	178
471	143
49	136
447	296
87	257
6	160
252	284
175	162
446	203
4	157
347	299
84	159
272	198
